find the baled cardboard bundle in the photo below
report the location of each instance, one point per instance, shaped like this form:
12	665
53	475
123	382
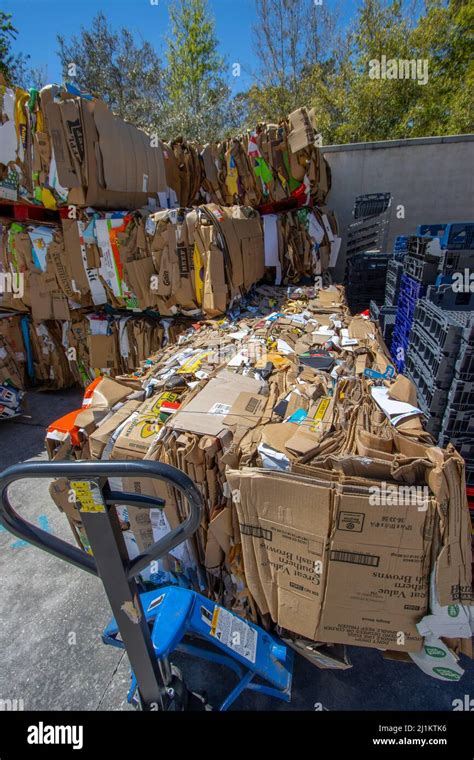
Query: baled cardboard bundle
15	143
14	354
62	147
51	367
102	160
96	344
11	381
271	163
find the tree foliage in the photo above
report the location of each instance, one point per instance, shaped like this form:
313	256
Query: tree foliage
333	75
13	67
305	56
197	92
127	76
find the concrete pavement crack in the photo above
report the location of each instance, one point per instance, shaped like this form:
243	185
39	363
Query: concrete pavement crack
114	673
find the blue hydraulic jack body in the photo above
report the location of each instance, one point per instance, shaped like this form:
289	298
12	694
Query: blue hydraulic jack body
181	620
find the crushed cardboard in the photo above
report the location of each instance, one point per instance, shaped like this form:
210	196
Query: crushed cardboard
322	517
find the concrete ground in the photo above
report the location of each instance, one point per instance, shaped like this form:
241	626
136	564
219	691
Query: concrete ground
53	614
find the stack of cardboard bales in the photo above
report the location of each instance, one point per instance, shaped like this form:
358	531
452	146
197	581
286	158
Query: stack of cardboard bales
329	513
98	283
60	146
12	365
51	281
272	163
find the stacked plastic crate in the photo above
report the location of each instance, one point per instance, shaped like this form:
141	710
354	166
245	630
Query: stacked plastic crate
388	311
440	356
420	269
440	362
366	274
369	231
438	340
400	247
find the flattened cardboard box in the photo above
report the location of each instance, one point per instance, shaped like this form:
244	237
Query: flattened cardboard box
100	437
284	524
378	572
205	414
372	584
138	433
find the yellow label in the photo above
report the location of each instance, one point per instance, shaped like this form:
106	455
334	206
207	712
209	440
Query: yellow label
215	620
320	412
150	428
88	496
193	363
198	275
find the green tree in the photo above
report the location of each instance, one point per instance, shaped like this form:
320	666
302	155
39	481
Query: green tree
198	95
287	42
377	108
13	67
444	35
438	33
305	59
109	64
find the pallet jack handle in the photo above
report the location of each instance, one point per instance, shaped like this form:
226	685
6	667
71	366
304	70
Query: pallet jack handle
110	559
87	470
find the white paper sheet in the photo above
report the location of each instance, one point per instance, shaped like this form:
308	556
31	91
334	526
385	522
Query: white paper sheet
270	236
396	411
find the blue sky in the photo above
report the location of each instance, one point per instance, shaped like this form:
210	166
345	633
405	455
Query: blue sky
39	21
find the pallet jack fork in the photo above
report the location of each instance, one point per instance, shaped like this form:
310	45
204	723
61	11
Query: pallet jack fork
152	625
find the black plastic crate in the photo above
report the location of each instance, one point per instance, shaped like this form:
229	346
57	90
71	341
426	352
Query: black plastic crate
419	248
464	366
438	326
446	297
371	204
461	394
457	423
392	283
455	261
391	294
431	399
422	270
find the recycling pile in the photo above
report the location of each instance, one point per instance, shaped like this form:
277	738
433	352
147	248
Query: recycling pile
102	289
328	510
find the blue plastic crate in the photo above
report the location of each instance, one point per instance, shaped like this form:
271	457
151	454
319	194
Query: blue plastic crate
431	230
454	235
412	288
458	235
400	247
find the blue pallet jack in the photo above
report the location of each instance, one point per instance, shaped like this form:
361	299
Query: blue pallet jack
152	625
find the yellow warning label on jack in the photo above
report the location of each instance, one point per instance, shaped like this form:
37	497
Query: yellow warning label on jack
88	496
